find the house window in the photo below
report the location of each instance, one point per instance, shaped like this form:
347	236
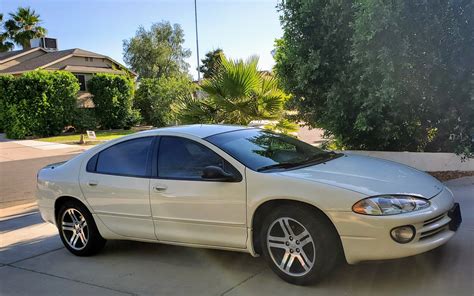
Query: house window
82	81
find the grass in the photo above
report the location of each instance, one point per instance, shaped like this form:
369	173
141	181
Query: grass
101	136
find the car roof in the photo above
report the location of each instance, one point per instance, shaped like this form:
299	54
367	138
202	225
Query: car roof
197	130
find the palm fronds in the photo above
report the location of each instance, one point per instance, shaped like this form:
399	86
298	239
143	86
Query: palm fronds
23	26
238	94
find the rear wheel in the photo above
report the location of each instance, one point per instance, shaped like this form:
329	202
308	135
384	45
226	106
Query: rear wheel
78	230
299	244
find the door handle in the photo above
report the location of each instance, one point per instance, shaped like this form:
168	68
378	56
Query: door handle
93	183
159	188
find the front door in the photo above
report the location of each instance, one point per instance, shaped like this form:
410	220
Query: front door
116	184
189	209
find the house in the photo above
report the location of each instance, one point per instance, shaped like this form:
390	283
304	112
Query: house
82	63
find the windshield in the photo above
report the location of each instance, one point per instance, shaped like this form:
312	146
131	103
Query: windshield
261	150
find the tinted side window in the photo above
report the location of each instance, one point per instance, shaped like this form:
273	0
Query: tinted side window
127	158
92	163
181	158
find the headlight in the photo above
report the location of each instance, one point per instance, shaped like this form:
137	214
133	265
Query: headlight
389	205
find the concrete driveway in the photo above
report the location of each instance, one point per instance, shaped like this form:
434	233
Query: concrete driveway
33	261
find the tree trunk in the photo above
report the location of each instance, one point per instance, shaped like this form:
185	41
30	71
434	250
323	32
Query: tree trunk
26	45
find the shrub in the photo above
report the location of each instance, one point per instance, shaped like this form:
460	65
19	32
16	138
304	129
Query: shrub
155	96
40	103
84	119
133	118
112	97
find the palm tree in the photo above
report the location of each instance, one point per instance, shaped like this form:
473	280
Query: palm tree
238	94
23	26
4	44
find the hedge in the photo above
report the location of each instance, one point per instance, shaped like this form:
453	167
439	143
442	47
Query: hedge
112	96
38	103
5	94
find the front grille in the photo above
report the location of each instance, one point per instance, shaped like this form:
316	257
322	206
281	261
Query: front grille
433	220
435	225
431	233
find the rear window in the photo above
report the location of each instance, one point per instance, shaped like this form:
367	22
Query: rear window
127	158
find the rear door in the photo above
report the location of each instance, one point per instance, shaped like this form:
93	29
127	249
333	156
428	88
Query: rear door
116	184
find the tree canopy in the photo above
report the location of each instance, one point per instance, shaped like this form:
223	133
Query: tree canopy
157	52
211	64
394	75
156	96
5	45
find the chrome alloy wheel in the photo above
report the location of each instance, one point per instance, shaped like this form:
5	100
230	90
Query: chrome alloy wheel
74	228
291	246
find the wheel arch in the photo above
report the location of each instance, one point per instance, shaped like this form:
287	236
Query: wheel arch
62	200
267	206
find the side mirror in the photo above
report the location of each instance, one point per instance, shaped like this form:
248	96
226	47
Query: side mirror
214	173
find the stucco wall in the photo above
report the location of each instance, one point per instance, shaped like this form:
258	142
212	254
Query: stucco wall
425	161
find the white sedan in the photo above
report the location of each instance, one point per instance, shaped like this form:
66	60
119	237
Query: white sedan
249	190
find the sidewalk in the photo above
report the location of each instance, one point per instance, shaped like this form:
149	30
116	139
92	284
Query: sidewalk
11	150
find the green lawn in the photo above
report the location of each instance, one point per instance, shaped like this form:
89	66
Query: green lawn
101	136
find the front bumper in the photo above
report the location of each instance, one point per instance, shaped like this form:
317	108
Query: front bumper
368	237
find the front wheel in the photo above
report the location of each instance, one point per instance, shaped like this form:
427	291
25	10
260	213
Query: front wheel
299	244
78	230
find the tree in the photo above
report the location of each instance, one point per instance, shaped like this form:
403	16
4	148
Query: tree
211	64
399	81
23	26
158	52
238	94
4	44
418	65
313	62
155	98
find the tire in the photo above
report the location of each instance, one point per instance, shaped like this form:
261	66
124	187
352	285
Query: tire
305	250
78	231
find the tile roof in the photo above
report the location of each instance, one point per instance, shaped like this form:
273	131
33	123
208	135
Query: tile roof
34	63
82	52
46	59
8	54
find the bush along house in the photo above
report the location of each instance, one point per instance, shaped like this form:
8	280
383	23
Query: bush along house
45	55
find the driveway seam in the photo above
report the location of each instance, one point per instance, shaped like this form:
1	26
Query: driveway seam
242	282
72	280
34	256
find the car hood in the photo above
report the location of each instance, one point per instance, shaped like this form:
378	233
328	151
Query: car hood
370	176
